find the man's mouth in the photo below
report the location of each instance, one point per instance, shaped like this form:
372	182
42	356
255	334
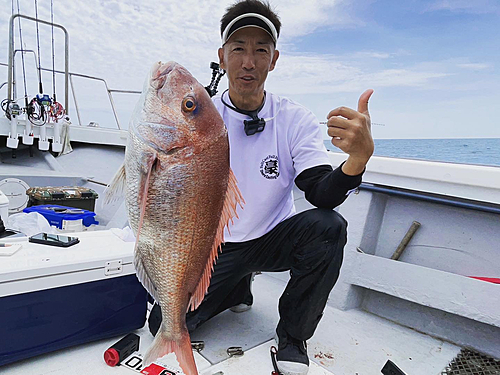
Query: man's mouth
247	78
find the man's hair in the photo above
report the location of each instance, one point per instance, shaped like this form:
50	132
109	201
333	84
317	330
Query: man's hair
249	6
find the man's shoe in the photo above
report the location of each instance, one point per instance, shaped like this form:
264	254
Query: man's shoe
291	358
247	305
242	307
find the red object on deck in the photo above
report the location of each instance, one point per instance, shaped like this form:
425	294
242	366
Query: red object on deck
493	280
154	369
111	357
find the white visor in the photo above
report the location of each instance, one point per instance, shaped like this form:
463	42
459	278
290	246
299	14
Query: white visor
250	20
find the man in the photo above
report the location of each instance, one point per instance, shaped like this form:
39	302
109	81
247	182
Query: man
275	143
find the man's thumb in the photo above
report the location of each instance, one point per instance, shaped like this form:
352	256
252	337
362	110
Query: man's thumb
363	101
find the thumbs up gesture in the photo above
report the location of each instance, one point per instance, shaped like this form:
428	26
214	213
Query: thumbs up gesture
351	132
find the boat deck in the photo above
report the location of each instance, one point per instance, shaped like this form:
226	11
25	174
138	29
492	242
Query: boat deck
346	343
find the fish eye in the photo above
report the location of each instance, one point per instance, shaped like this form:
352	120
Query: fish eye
188	104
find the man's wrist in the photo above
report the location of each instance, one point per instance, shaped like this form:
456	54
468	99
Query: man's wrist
354	166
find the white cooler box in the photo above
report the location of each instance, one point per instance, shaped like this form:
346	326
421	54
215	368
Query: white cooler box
55	297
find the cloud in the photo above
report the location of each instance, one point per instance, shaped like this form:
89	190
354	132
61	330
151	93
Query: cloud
121	39
303	17
474	66
466	6
379	55
327	74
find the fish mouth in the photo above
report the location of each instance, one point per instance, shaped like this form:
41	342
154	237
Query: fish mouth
160	73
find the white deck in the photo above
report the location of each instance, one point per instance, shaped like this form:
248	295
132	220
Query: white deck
346	342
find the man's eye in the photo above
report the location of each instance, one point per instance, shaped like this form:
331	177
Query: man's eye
262	50
238	49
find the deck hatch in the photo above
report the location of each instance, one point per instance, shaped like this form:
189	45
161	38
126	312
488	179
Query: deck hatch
468	362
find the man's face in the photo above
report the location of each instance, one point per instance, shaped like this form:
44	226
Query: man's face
248	56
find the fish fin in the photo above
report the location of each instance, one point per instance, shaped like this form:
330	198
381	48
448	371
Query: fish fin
140	269
117	186
182	349
143	276
232	199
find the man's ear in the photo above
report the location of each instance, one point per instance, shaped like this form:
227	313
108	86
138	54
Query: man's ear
221	57
276	55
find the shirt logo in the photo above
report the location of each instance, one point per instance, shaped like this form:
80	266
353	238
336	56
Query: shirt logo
269	167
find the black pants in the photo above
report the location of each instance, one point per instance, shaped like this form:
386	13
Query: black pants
309	244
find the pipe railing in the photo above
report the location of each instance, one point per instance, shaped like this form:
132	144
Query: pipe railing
432	198
10	75
108	90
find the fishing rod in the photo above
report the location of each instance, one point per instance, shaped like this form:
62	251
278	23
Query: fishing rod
38	109
57	111
42	107
10	107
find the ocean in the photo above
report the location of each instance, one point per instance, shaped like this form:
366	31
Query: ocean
478	151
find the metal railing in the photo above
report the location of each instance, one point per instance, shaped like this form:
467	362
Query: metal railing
68	76
10	66
71	75
108	90
432	198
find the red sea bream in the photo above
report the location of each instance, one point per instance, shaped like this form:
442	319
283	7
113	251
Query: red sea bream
180	195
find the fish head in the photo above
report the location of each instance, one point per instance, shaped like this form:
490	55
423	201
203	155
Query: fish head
179	100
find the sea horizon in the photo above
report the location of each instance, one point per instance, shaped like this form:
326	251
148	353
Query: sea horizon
474	151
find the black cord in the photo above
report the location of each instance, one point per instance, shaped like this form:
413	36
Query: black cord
5	107
37	113
253	114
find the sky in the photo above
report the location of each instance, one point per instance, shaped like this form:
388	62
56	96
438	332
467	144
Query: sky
434	64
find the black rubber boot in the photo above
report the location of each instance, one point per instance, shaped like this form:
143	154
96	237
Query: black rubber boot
154	320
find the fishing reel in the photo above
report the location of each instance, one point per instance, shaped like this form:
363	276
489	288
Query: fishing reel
57	111
43	99
38	109
217	74
42	108
11	109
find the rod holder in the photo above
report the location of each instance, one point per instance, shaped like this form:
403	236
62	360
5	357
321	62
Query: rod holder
12	141
43	143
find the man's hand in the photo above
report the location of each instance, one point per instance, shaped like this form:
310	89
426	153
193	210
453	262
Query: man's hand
351	132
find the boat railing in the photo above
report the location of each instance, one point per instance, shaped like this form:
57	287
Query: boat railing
73	91
67	74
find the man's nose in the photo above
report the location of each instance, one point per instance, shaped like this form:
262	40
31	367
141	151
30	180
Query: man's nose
248	61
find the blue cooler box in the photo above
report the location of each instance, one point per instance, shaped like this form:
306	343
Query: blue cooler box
55	214
52	298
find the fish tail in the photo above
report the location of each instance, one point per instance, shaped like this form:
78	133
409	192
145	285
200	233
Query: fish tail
163	344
